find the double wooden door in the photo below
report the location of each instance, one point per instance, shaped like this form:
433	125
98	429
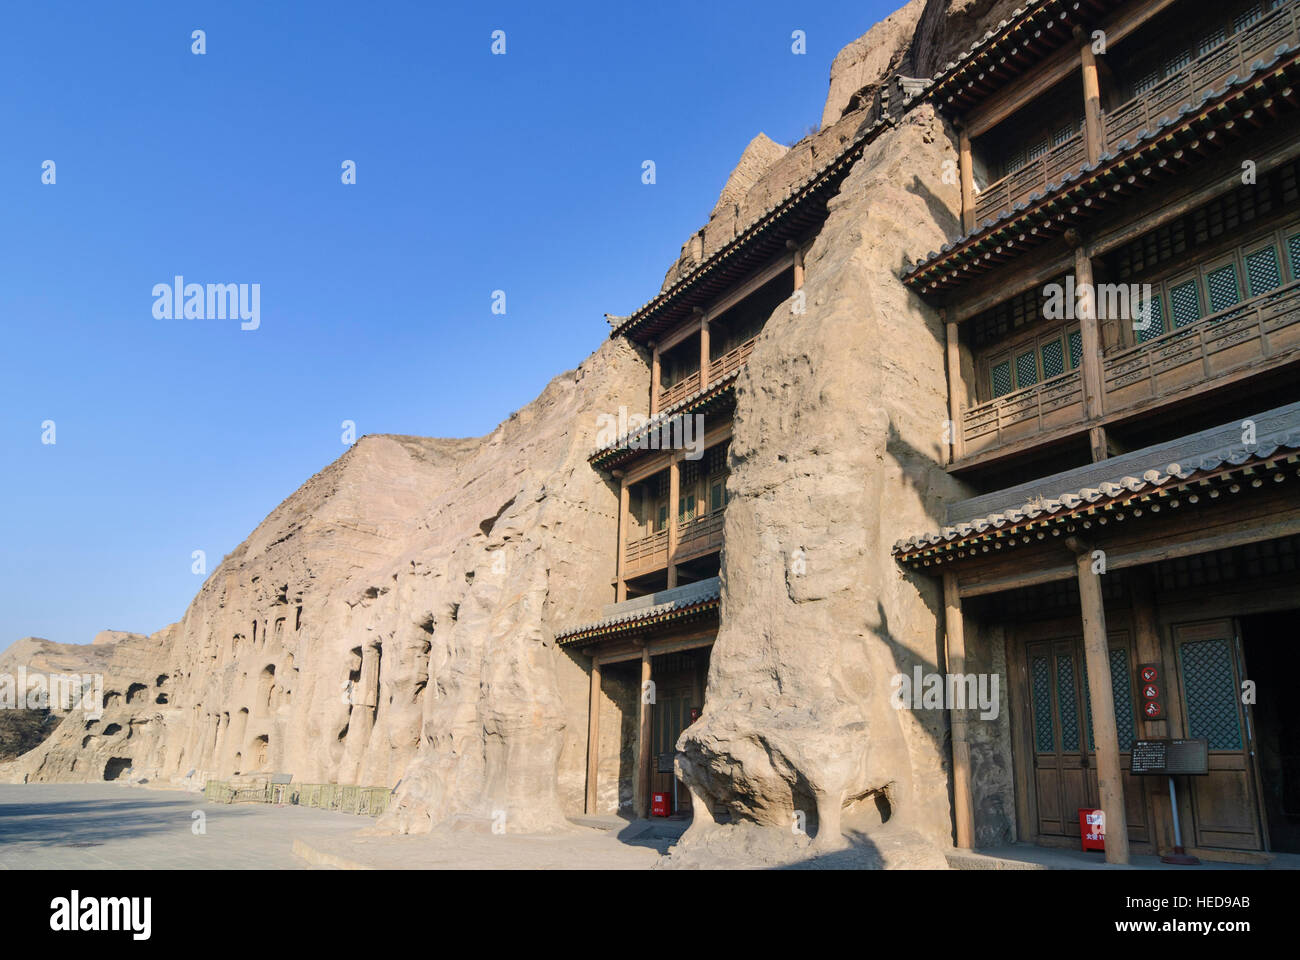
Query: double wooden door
1061	734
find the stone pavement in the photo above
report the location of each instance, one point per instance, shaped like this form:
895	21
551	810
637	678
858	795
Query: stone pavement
108	826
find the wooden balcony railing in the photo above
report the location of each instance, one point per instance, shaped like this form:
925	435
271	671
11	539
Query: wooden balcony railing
1033	410
732	360
646	554
1255	333
1016	186
701	535
1206	72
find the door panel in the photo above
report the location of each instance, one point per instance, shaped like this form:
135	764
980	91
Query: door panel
1224	805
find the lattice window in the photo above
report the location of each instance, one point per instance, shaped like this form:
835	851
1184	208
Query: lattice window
1066	132
690	472
1211	693
1151	323
1067	701
1293	254
686	507
1001	377
1026	370
1222	286
1263	272
1185	303
1211	40
717	458
717	496
1039	148
1122	692
1177	62
1146	82
1053	359
1076	349
1244	19
1044	733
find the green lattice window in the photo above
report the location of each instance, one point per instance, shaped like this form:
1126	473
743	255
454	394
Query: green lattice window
1053	359
1263	272
1044	734
1076	349
1177	62
1211	693
1221	283
1293	254
1151	322
1026	370
1068	703
1001	377
1211	40
1244	19
1185	303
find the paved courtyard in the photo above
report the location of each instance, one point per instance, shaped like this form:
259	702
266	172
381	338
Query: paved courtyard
105	826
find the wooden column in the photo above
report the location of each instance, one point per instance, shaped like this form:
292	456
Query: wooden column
654	380
1146	641
704	351
674	491
1090	333
1094	133
798	268
963	812
1110	782
641	777
967	181
956	391
593	737
624	528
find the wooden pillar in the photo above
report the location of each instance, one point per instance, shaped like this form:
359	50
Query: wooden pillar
641	777
956	391
593	737
963	812
1146	641
624	529
1110	777
674	491
654	380
967	181
704	351
798	268
1094	133
1090	333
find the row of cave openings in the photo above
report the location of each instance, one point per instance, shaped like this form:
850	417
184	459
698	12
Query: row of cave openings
137	694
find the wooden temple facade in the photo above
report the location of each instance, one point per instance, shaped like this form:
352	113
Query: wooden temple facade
1135	456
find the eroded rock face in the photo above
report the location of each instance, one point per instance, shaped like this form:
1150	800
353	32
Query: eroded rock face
838	431
391	620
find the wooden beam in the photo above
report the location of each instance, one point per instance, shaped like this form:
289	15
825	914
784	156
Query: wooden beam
956	393
641	779
955	656
740	292
1110	782
674	491
967	181
593	737
1094	133
624	528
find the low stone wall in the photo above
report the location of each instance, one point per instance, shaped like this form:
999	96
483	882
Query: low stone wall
364	801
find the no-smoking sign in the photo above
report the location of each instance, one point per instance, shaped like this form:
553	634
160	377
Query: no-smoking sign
1152	707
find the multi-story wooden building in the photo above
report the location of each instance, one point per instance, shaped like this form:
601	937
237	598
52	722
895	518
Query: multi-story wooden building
1135	449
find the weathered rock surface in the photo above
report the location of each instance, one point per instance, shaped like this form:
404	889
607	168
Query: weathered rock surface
391	622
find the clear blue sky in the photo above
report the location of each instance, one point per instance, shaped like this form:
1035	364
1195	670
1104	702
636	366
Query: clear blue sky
474	173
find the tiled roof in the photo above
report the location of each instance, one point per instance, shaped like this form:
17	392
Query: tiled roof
606	455
675	604
756	245
1078	193
1134	474
1030	34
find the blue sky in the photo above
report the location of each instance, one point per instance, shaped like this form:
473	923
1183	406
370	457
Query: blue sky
475	173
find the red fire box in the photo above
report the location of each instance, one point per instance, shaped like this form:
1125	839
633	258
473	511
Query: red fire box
1092	828
660	805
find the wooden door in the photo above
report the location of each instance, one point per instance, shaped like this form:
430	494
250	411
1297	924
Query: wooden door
1224	804
1061	735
